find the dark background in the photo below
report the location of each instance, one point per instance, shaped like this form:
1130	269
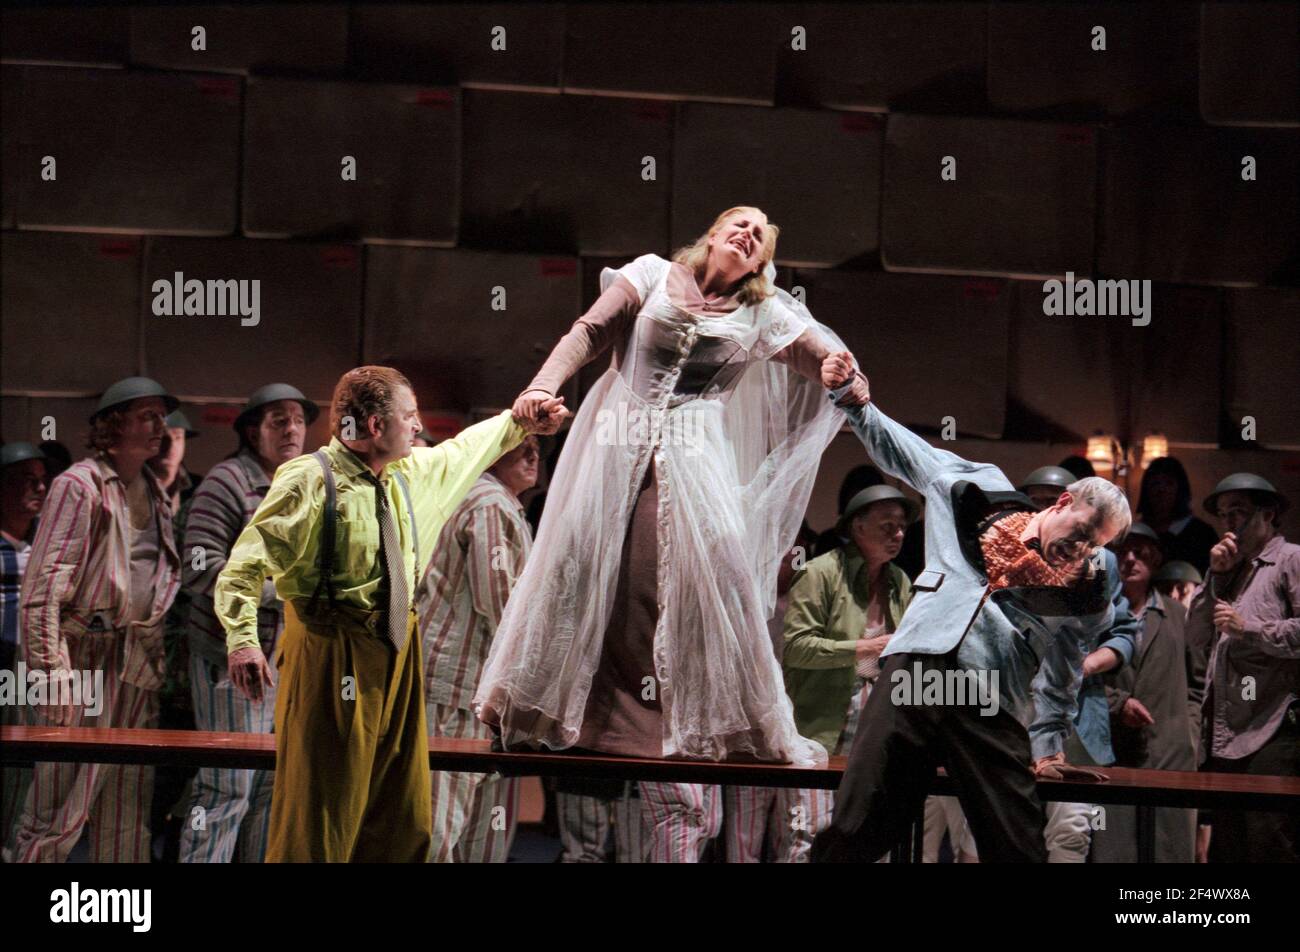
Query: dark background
523	169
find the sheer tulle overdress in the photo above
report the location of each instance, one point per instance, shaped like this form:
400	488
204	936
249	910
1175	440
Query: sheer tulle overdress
735	439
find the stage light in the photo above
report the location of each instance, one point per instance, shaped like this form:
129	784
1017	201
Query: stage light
1154	446
1101	452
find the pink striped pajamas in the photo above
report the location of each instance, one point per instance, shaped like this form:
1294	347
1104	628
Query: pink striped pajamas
479	554
114	800
753	823
75	611
474	814
682	817
804	813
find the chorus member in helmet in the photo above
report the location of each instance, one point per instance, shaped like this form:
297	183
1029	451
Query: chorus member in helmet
1153	720
22	494
1243	625
844	606
236	804
103	572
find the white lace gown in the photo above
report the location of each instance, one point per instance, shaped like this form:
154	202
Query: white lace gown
736	439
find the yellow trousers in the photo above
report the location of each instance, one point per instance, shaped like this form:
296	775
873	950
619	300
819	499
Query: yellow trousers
352	750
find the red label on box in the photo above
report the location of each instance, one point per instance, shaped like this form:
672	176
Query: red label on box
435	97
559	267
980	290
652	109
121	248
339	256
859	122
441	425
1075	134
223	87
220	416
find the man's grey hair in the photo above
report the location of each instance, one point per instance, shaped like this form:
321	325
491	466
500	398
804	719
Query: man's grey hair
1105	497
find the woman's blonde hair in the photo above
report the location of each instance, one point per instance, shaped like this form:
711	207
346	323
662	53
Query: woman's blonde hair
754	288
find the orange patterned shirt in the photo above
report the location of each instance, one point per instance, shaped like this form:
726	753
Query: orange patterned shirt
1010	563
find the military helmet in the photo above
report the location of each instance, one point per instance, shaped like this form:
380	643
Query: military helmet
133	388
1047	476
874	494
270	394
177	420
1178	571
18	452
1137	530
1141	530
1244	483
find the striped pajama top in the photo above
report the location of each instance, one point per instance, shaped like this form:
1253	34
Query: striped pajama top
78	579
479	555
223	504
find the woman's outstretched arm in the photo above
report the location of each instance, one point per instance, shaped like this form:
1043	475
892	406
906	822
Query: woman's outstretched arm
606	321
804	355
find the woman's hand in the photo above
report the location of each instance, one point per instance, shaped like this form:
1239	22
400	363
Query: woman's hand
837	369
528	407
550	414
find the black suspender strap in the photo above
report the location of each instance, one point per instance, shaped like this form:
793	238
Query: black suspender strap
328	531
325	562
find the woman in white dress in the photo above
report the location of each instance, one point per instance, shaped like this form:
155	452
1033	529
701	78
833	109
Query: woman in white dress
639	625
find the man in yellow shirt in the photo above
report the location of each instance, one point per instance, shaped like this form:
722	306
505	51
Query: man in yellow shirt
352	773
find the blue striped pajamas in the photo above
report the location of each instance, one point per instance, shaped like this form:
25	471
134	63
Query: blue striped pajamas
234	806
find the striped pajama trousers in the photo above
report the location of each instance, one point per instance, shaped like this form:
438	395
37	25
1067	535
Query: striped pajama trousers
1067	833
474	814
230	811
15	781
754	823
682	817
809	812
804	814
585	824
944	813
114	800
